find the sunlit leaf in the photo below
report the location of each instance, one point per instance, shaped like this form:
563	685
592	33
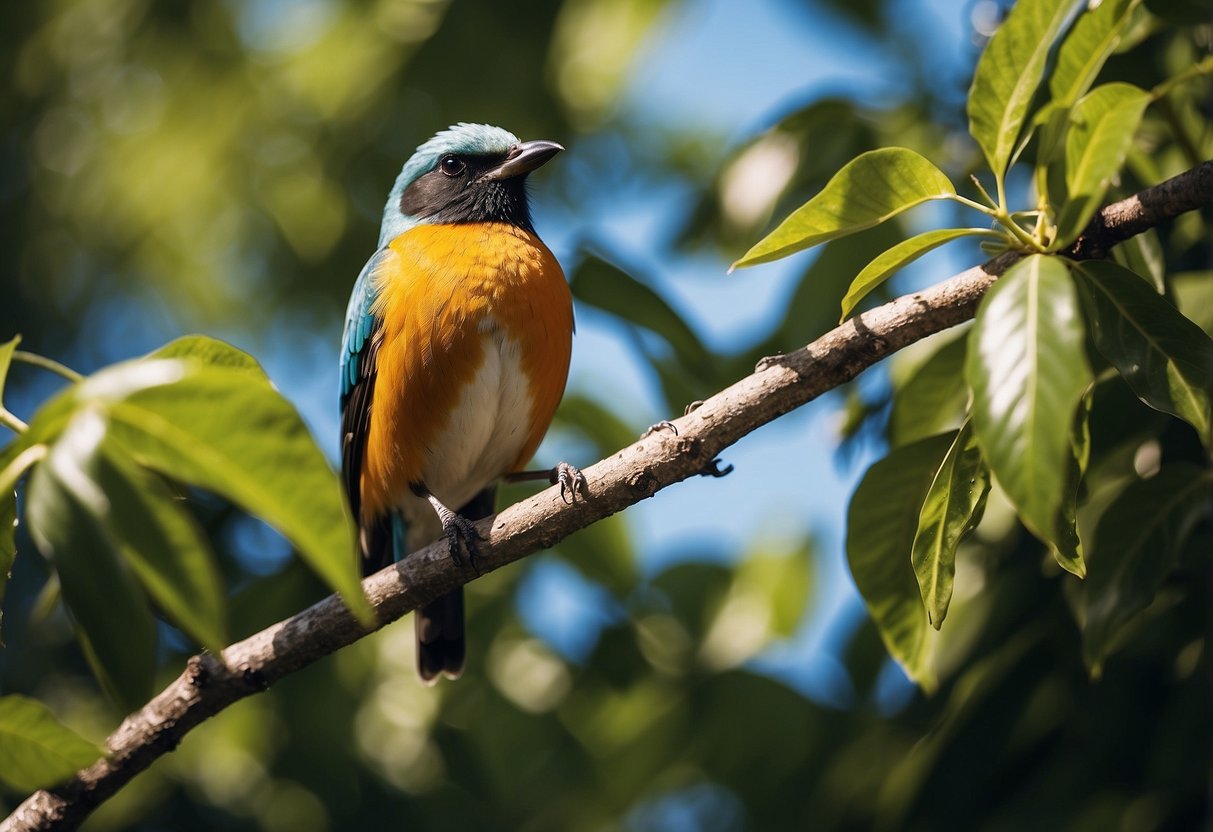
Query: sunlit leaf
1093	38
868	190
1165	358
898	257
881	523
1136	545
1102	126
66	509
164	546
951	509
932	399
231	433
209	351
1027	370
36	749
1194	297
6	358
1007	75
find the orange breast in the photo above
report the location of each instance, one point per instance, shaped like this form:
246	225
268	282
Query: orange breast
437	296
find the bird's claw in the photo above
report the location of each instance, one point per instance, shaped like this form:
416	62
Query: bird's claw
570	480
461	532
713	469
664	424
692	407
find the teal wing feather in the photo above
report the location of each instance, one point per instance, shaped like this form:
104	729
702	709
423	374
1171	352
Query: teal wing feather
359	361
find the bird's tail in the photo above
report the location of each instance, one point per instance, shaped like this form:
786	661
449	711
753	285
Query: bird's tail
441	646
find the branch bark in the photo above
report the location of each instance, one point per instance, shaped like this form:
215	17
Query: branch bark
778	385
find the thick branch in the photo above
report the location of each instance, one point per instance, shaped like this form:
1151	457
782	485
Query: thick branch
778	385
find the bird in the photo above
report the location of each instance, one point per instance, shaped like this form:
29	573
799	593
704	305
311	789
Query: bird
454	357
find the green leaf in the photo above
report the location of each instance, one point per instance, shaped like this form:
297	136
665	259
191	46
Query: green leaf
933	398
66	509
881	524
1094	37
1027	370
164	546
8	545
1165	358
1102	126
230	432
951	509
1136	545
210	351
37	751
6	359
607	287
1142	255
1065	544
896	259
868	190
1008	74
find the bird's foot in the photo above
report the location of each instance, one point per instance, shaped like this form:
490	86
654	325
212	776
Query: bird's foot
570	480
713	469
664	424
460	533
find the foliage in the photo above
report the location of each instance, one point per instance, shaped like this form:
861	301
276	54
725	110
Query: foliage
1067	429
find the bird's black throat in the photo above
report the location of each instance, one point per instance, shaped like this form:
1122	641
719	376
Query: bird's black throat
468	197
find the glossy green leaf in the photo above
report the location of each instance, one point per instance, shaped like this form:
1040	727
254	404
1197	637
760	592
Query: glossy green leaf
164	546
38	751
951	509
868	190
881	524
1136	545
1102	126
607	287
898	257
1142	255
6	359
1065	544
932	399
1027	370
1093	38
67	509
1007	75
210	351
1165	358
232	433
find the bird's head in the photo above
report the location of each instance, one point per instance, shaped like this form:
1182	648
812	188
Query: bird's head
467	173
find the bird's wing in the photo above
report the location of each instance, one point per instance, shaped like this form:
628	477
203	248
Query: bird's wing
359	360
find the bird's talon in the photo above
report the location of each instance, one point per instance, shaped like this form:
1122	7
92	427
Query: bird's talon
664	424
766	362
713	469
571	481
692	407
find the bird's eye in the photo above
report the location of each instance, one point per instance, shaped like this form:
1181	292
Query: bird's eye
451	165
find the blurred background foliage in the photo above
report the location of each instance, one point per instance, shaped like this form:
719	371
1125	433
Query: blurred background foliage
701	663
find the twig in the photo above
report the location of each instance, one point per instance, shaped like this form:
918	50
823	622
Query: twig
782	384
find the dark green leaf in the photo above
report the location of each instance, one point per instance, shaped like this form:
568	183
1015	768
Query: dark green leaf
881	523
933	398
1065	544
1093	38
230	432
951	509
164	546
868	190
898	257
1027	370
1102	126
613	290
37	751
1142	255
1165	358
8	545
1136	545
67	509
1008	74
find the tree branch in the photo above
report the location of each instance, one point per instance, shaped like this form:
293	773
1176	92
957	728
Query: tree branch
778	385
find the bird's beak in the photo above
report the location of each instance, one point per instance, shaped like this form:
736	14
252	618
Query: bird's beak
523	159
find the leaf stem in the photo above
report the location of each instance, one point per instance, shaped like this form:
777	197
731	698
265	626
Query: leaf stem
9	420
45	363
976	206
982	190
14	470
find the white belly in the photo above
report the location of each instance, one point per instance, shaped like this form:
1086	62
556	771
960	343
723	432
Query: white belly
484	436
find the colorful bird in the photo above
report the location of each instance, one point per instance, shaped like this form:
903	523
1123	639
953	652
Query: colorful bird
454	357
